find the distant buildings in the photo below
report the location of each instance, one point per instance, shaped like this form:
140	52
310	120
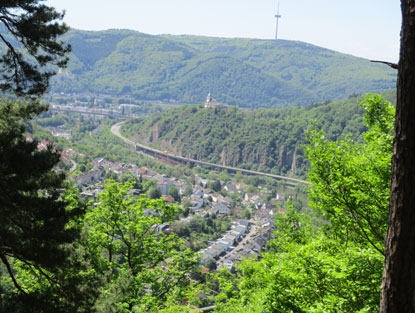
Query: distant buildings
212	103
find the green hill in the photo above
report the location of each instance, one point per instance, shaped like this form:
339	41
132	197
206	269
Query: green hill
243	72
264	139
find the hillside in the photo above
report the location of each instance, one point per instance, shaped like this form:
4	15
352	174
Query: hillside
243	72
264	139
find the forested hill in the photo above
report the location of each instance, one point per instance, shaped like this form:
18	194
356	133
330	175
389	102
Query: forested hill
243	72
264	139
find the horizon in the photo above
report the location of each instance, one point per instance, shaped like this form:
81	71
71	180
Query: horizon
353	28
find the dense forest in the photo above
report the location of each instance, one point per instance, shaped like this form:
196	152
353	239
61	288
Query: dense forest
243	72
264	139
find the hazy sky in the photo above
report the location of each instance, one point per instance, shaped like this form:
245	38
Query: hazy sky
365	28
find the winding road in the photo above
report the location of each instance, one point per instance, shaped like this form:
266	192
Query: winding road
115	129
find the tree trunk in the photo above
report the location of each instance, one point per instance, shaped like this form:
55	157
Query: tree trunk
398	286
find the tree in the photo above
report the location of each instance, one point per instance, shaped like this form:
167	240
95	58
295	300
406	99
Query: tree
350	180
224	176
36	226
142	267
188	190
129	177
215	185
398	286
30	32
335	265
304	271
174	192
154	193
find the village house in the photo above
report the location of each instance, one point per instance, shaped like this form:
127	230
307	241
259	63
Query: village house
258	243
231	187
168	198
197	205
280	197
164	186
240	186
145	172
228	263
89	177
198	192
201	181
222	209
250	197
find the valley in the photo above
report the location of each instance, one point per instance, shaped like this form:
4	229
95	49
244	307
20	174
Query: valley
183	173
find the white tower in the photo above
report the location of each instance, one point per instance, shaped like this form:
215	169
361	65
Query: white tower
277	16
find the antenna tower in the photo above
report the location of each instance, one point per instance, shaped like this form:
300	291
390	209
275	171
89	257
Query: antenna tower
277	16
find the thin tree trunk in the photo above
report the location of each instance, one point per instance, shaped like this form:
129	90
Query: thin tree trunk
398	286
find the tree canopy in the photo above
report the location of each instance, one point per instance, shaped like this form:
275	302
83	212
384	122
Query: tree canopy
350	179
36	225
30	30
141	265
330	261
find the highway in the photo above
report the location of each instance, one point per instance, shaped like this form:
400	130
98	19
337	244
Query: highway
86	110
115	129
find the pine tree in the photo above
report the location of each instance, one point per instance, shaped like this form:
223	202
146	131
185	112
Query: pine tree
35	229
41	268
30	32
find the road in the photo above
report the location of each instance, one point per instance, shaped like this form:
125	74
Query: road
73	167
115	129
86	110
252	231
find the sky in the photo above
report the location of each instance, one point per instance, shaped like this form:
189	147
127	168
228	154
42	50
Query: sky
363	28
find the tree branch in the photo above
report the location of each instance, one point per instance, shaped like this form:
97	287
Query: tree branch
10	271
392	65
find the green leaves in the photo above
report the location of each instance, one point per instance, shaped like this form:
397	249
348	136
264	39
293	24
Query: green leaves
332	265
351	179
264	139
29	30
141	265
322	275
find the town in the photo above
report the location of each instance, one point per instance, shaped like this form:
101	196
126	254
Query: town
250	218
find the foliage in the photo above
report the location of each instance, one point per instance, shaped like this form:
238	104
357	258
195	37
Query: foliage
103	144
199	231
154	192
333	265
141	266
36	226
174	192
244	72
264	139
304	272
29	32
351	180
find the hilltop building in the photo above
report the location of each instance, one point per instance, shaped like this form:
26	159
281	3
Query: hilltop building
210	102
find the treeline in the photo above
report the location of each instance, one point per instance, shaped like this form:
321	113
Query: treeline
242	72
268	140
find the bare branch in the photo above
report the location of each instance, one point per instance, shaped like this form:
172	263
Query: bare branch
392	65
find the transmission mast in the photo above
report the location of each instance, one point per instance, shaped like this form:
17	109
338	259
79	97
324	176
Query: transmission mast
277	16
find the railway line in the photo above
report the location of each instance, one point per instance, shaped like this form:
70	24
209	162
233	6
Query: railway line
115	129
